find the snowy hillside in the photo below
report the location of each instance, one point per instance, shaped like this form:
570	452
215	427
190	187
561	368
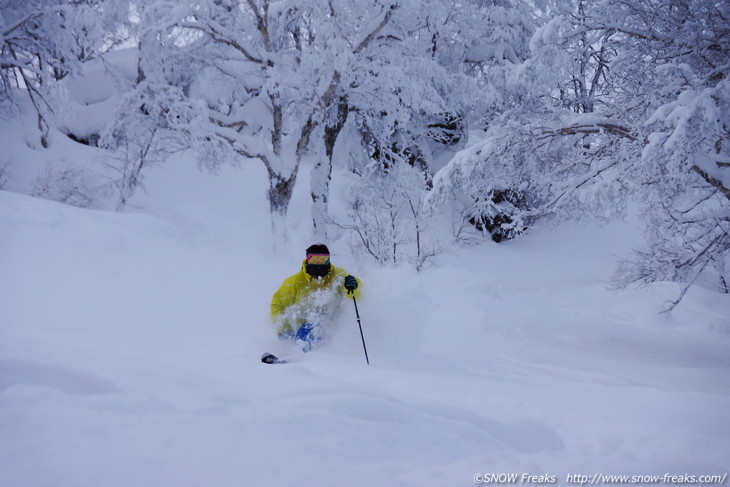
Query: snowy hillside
130	345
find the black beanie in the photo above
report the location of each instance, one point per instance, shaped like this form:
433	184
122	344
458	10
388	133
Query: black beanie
318	249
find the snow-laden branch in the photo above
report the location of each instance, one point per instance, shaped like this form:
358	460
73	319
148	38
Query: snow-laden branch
703	257
714	182
233	143
386	15
572	186
7	31
593	128
25	64
644	35
262	22
217	35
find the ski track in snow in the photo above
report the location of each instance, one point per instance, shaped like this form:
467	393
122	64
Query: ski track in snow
130	345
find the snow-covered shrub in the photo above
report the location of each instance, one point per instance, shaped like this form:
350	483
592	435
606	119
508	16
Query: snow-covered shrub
152	123
387	221
447	129
4	173
501	214
70	185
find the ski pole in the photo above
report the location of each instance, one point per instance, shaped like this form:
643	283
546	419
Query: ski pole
360	326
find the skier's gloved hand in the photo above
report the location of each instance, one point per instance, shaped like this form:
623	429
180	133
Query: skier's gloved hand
350	283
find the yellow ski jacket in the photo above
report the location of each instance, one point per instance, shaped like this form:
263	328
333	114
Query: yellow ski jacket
305	299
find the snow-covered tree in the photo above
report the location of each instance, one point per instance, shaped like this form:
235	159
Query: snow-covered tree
622	100
266	71
281	79
685	168
42	41
464	51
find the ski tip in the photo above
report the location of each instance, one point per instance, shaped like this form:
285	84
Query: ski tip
270	358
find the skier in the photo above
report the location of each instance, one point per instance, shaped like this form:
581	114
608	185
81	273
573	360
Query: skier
306	300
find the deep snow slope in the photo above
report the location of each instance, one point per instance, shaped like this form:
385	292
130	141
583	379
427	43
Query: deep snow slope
130	345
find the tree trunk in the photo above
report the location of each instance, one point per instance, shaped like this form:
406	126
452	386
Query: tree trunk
280	193
320	180
322	172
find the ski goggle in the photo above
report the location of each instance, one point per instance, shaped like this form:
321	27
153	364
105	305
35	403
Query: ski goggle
318	259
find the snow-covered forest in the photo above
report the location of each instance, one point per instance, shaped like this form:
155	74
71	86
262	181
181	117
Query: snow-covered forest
490	115
535	193
495	114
